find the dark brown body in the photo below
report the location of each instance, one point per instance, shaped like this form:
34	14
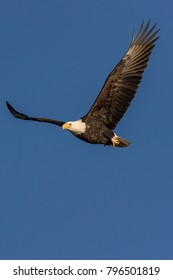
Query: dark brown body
96	133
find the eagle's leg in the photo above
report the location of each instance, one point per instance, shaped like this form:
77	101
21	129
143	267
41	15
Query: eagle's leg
119	142
114	140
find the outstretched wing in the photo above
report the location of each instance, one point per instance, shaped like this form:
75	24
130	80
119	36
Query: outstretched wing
25	117
122	83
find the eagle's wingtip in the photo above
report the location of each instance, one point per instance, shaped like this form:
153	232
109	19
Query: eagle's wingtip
11	109
8	105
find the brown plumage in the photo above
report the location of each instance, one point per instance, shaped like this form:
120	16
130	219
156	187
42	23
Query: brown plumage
115	96
122	83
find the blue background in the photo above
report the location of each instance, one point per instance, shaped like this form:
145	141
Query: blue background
61	198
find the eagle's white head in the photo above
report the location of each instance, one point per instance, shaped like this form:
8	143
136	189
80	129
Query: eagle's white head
76	127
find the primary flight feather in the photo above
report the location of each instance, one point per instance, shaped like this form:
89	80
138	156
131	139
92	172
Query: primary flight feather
115	96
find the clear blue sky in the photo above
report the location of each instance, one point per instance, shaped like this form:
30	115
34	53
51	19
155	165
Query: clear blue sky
61	198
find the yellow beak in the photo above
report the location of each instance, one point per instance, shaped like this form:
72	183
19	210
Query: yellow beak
66	126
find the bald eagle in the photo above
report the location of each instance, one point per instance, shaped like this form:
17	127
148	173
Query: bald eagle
119	89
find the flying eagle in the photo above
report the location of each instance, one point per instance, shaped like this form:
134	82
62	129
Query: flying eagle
119	89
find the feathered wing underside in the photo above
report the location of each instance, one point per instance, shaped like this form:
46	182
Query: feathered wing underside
21	116
122	83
